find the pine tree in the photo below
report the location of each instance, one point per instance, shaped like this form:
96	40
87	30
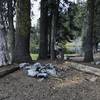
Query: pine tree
43	53
22	36
88	57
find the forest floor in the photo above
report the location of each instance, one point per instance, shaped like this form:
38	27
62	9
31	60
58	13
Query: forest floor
71	85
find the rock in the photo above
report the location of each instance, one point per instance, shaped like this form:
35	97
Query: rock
43	70
52	72
32	73
38	70
97	63
27	68
22	65
49	66
37	65
42	75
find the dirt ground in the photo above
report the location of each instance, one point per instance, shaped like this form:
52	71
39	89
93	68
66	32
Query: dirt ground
70	85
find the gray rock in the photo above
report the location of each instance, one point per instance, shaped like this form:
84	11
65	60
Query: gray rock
22	65
32	73
97	63
38	70
52	72
37	65
42	75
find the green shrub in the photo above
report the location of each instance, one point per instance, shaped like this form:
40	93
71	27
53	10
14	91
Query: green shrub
66	51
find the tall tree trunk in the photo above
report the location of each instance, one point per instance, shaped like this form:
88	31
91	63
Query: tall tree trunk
3	45
88	57
43	53
54	27
97	22
49	35
22	36
52	53
11	34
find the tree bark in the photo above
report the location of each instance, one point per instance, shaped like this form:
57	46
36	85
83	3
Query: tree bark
3	46
52	53
54	27
11	34
22	36
43	53
88	57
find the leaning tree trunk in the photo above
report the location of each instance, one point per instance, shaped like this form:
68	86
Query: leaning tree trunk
88	57
43	53
22	36
3	46
10	35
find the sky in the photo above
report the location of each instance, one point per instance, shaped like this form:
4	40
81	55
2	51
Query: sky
36	11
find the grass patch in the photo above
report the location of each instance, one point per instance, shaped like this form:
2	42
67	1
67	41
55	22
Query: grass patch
34	56
74	54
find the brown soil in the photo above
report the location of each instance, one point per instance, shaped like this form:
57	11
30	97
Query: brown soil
70	85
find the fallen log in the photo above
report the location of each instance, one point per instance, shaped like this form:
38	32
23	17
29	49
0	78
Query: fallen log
84	68
7	70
